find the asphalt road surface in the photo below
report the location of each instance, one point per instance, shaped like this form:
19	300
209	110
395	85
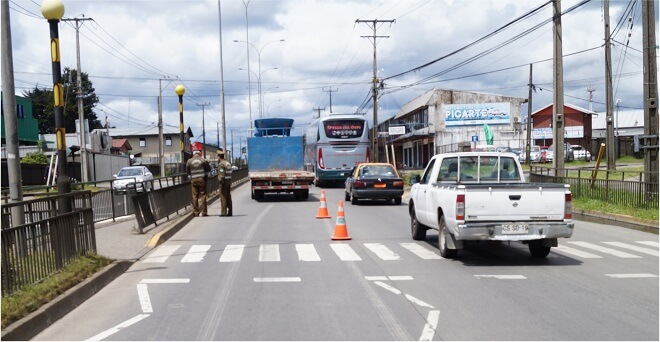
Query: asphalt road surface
272	272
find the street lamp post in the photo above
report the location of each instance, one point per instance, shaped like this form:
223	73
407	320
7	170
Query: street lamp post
180	90
260	73
53	11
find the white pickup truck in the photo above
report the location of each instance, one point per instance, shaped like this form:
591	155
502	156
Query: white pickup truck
484	196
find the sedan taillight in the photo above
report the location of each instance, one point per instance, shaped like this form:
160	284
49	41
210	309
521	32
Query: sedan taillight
360	184
398	184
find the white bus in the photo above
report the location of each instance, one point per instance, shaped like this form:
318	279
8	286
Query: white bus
334	144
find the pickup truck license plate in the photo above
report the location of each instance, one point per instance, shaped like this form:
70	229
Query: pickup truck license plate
515	229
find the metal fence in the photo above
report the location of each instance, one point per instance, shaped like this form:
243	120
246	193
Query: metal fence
47	240
629	188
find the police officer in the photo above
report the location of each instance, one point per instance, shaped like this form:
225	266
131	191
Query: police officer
197	169
224	176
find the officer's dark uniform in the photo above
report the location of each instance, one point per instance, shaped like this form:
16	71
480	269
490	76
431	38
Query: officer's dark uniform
198	168
224	176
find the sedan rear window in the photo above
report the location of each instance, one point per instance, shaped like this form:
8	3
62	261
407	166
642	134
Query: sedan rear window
378	170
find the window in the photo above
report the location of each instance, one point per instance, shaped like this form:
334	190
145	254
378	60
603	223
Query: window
168	141
448	169
20	111
427	174
143	142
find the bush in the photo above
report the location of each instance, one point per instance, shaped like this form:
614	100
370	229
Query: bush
37	157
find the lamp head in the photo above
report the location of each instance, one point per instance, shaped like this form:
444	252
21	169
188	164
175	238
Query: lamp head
180	90
52	9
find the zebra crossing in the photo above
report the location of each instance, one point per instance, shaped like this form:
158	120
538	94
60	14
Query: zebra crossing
308	252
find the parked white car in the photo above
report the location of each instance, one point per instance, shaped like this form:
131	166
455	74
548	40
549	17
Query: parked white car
133	176
580	153
534	154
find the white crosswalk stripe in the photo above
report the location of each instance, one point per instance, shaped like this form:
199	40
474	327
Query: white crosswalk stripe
634	248
649	243
269	252
161	254
308	252
576	252
196	253
345	252
604	249
421	251
381	251
232	253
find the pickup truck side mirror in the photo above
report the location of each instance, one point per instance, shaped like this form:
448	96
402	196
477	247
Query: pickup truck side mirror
415	179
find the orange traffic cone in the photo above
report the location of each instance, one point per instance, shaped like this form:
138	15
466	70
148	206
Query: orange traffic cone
323	209
340	228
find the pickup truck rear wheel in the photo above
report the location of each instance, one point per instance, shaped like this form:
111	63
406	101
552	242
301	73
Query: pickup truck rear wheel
258	195
417	229
443	235
537	249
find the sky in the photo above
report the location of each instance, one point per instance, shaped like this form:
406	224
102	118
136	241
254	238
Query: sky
307	57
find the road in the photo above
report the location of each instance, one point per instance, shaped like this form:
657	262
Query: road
272	272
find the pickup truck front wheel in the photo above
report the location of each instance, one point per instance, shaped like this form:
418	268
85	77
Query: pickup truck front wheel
417	229
443	235
537	249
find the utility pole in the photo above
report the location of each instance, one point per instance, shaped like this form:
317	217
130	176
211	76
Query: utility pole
590	90
375	82
203	128
319	111
558	91
81	114
161	147
330	91
528	148
222	81
609	117
650	71
11	128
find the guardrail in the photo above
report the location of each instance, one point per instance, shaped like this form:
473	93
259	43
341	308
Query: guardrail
47	240
629	188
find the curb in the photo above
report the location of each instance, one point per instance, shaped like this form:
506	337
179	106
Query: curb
650	226
32	324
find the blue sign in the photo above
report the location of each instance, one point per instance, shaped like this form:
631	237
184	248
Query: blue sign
475	138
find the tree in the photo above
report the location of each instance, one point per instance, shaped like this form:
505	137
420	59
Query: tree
42	103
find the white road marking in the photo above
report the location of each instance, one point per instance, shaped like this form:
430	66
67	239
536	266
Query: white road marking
381	251
421	251
501	276
632	275
345	252
373	278
430	326
117	328
166	281
196	253
269	252
387	287
419	302
649	243
278	280
649	251
232	253
604	249
576	252
161	254
307	252
145	301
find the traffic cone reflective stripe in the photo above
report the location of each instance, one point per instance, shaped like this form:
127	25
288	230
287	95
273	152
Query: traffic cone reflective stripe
341	232
323	209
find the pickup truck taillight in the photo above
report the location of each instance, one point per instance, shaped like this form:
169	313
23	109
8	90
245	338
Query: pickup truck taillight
359	184
321	159
460	207
568	207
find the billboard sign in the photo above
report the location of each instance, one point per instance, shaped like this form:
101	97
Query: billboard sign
397	130
498	113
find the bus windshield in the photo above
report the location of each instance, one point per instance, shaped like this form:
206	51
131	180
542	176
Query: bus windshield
343	129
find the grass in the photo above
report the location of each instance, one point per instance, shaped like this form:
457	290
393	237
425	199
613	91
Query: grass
604	207
21	303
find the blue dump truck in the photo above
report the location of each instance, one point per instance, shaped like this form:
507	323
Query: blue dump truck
275	160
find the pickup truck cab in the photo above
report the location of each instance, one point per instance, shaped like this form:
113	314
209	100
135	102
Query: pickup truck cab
484	196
